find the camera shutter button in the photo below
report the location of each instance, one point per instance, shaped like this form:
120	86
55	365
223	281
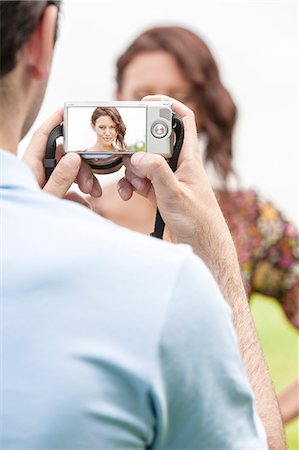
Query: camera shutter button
159	130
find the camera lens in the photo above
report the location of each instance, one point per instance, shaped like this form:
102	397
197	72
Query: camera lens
159	130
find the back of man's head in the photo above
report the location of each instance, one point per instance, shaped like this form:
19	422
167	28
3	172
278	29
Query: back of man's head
18	19
28	31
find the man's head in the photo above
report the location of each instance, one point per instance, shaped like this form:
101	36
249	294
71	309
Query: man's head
28	31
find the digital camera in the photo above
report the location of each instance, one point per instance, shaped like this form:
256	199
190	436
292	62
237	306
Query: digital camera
103	132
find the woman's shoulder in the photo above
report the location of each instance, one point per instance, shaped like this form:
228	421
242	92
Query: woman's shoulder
253	208
238	197
247	200
236	204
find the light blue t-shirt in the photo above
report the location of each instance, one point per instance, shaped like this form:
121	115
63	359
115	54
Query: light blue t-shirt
111	339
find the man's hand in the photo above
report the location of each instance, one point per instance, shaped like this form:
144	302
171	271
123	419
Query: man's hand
70	167
185	198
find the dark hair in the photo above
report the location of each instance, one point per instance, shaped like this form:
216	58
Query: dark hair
215	109
18	20
116	118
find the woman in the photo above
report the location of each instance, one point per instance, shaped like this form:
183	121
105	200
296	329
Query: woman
176	62
110	130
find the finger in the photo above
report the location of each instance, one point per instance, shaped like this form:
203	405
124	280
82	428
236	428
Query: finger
136	179
132	168
157	171
96	190
63	175
87	182
37	146
59	152
125	189
85	178
75	197
139	183
179	107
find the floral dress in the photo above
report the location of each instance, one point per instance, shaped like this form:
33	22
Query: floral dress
267	246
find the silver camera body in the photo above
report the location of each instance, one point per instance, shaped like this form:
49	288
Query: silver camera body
103	132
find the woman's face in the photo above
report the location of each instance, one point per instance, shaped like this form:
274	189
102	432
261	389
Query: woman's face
105	130
156	73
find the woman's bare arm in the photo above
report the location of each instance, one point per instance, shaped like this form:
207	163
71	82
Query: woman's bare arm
289	402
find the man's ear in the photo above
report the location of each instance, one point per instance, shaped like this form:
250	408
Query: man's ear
39	48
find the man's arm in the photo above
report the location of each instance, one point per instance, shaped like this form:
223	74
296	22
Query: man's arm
192	215
227	274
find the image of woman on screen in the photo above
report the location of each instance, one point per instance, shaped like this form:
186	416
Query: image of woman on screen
110	130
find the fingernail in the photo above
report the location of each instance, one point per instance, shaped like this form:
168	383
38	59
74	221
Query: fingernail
72	160
123	192
89	184
96	188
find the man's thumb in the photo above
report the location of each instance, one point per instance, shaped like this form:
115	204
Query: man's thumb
64	175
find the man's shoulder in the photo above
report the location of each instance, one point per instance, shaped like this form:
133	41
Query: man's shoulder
98	231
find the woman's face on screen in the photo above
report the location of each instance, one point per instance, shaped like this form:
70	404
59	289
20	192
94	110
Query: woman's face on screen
105	130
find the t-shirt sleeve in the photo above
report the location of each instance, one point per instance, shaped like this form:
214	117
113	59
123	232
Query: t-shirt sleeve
200	392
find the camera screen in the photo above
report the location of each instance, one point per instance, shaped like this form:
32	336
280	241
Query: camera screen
106	129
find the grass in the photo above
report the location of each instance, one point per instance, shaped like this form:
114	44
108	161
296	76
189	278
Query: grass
280	344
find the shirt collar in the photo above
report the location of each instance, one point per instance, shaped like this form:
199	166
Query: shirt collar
15	173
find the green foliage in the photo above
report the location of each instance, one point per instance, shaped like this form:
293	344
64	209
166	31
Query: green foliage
139	146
